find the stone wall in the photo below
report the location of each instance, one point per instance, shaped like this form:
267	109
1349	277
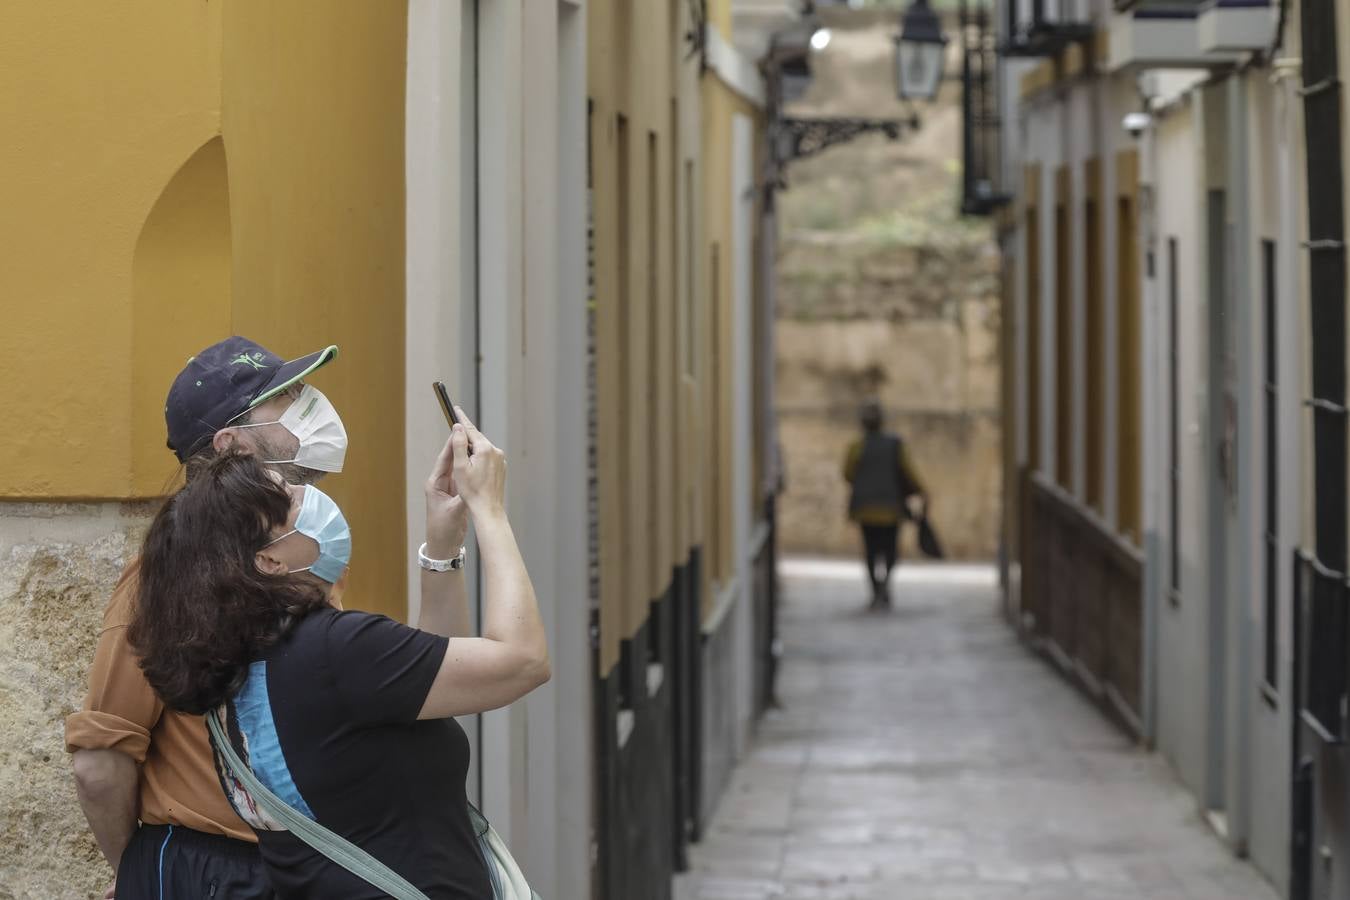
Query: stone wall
884	291
58	565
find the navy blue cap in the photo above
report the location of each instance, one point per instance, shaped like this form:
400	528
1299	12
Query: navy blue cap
225	381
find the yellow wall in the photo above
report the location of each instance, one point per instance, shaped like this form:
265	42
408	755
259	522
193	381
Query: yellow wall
173	173
719	17
719	107
181	272
313	118
101	104
631	61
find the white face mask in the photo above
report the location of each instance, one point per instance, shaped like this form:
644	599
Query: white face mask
318	427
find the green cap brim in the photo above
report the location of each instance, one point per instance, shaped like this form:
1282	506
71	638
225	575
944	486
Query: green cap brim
295	371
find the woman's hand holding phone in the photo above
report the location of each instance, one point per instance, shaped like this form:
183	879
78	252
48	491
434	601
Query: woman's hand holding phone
447	512
479	469
469	478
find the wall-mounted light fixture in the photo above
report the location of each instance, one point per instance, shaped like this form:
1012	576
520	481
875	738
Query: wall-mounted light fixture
920	49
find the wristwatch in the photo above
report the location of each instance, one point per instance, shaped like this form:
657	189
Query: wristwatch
439	565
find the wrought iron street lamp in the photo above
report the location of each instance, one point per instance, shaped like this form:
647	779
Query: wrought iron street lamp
920	49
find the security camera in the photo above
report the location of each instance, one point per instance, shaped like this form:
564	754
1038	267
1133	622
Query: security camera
1136	122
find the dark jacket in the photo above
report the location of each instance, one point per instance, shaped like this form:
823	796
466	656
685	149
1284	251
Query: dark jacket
882	478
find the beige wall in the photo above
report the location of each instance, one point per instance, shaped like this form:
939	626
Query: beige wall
631	64
60	561
882	289
720	106
665	443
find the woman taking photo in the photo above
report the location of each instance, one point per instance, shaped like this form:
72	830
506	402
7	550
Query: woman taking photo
347	717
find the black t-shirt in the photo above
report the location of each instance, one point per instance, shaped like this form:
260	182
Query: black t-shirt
328	721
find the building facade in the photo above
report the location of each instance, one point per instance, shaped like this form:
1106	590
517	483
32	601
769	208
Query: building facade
673	125
1175	503
552	208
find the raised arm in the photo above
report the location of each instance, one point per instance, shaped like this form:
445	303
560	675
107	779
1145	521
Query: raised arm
510	659
445	595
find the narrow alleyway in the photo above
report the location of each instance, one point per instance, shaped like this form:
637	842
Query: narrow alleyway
925	754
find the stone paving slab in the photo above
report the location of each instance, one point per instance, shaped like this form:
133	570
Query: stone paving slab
924	753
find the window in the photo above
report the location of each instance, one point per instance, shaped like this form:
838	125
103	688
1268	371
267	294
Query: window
1129	359
1033	373
1095	407
1272	624
1064	336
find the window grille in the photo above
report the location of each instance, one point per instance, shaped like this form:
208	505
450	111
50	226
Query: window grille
982	126
592	407
1174	440
1328	631
1043	28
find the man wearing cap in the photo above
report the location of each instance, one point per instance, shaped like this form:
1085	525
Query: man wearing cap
145	774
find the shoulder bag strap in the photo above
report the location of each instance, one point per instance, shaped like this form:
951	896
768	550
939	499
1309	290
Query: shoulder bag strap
334	846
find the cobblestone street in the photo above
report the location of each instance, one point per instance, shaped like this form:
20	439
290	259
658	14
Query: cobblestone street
925	754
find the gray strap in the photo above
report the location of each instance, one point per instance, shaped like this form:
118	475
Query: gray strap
334	846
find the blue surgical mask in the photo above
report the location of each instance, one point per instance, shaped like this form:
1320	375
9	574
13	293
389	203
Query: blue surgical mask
321	519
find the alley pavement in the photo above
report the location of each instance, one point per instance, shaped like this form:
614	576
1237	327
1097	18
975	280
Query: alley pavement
924	753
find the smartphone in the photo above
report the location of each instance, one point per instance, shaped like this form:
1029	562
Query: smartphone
446	406
443	397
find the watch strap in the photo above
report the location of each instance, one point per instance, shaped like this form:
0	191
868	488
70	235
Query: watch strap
439	565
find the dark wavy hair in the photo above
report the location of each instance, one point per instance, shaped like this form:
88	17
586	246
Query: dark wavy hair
204	610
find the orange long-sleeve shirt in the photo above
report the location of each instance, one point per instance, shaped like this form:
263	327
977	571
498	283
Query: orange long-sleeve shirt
178	780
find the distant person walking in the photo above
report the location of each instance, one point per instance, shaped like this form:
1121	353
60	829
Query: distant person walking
884	485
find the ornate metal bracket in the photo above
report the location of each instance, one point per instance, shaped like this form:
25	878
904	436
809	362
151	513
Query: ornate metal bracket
800	138
697	35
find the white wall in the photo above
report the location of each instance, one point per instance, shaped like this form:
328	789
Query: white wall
1182	653
1276	171
436	343
571	748
441	256
521	241
501	256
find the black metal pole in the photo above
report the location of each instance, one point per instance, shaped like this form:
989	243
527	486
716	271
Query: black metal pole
967	112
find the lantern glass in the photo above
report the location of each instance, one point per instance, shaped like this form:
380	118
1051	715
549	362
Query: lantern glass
918	68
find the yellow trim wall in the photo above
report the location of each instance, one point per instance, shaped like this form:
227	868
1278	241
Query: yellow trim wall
720	106
174	173
631	63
